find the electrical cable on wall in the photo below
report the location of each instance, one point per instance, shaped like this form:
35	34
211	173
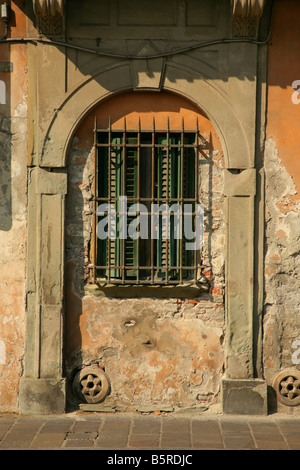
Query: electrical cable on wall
147	57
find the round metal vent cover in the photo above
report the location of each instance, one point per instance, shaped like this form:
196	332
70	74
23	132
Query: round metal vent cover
287	387
91	385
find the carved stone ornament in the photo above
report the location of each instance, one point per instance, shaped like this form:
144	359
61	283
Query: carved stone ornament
287	387
49	16
245	17
91	385
48	7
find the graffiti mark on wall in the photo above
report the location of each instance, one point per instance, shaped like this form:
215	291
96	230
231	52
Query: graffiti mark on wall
296	354
296	93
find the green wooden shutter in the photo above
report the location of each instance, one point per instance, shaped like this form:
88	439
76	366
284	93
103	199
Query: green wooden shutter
168	186
131	191
115	192
173	190
188	192
118	165
120	172
102	165
106	257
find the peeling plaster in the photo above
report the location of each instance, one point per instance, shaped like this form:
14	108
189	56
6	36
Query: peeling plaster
282	263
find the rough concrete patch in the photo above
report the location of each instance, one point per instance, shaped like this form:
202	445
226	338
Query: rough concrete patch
278	182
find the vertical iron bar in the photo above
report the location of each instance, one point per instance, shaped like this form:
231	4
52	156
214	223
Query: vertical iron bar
196	194
138	198
109	200
181	201
95	200
123	194
167	199
152	198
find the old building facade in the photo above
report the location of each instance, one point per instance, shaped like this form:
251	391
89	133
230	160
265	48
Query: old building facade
191	102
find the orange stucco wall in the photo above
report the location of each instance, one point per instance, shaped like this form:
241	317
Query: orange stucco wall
281	324
283	116
13	200
143	109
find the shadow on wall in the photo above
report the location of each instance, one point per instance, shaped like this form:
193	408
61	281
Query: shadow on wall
74	269
72	332
140	29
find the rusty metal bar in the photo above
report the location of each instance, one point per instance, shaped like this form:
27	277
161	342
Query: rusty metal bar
148	199
167	199
142	267
109	199
181	199
96	165
124	194
152	196
138	198
196	194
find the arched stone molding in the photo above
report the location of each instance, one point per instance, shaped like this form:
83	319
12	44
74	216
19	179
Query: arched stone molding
238	147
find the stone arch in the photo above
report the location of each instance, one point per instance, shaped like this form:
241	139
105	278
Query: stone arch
203	93
140	109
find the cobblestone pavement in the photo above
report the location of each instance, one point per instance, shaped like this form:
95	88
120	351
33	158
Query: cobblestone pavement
126	431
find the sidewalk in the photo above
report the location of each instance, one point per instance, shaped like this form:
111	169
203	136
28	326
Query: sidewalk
128	431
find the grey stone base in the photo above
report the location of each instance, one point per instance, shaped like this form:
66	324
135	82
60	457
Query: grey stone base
42	396
97	408
244	396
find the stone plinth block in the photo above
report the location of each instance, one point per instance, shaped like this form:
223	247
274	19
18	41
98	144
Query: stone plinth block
42	396
244	396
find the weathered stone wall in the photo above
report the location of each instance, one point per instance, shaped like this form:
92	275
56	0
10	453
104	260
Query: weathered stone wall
282	214
153	350
282	264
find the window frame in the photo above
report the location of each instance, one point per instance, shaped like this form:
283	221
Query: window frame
154	146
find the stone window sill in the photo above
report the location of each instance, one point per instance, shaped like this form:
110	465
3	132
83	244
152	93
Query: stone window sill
188	290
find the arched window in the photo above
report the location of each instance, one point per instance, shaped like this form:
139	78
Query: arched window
148	220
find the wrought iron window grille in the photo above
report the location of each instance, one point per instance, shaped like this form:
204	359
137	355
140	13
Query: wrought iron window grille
147	167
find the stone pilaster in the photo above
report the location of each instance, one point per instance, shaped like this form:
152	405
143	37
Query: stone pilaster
241	393
42	387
